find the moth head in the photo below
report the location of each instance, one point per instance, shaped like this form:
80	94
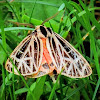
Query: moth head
42	31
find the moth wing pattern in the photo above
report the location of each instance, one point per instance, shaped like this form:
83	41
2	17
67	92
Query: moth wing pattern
67	58
43	52
27	56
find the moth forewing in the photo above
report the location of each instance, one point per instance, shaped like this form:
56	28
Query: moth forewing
78	67
23	57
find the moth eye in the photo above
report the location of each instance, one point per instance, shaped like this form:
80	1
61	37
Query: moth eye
43	30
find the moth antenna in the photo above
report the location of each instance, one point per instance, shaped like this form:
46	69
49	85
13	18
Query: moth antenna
50	18
24	24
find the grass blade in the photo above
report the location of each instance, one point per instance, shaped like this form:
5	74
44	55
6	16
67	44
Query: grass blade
96	88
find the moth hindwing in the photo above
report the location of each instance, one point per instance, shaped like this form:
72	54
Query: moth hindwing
45	52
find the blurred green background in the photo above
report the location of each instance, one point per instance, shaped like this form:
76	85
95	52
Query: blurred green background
76	21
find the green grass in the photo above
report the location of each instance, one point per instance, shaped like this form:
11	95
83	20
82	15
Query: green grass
72	22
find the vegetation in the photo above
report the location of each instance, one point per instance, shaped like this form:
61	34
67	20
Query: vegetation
78	22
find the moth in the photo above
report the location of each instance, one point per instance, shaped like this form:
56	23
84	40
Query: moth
46	52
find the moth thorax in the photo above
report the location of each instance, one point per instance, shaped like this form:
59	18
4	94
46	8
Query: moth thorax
43	32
